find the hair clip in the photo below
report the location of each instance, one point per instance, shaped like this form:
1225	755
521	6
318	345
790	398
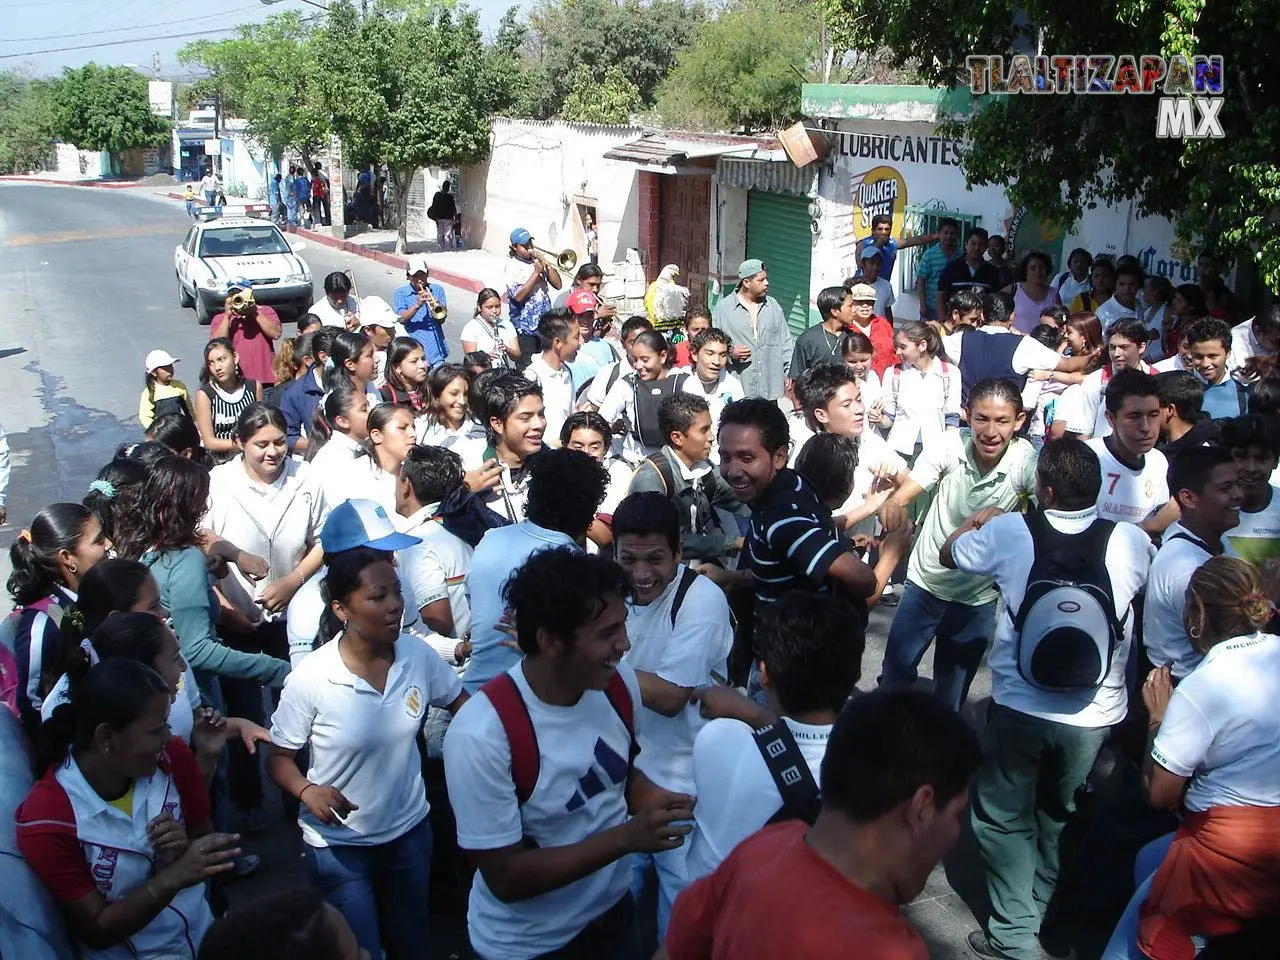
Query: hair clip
104	487
24	536
1255	597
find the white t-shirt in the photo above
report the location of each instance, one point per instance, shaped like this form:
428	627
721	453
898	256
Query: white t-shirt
1029	354
557	394
621	402
181	711
684	655
486	338
920	403
1003	548
1221	728
723	392
884	295
581	791
1169	363
1088	413
279	522
1257	537
1131	495
436	568
1162	631
338	468
330	317
1112	310
364	742
600	385
736	793
875	457
1070	288
1244	346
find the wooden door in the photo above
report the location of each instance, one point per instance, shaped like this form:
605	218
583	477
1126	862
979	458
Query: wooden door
684	226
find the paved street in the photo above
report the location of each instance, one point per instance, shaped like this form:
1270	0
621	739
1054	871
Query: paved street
86	277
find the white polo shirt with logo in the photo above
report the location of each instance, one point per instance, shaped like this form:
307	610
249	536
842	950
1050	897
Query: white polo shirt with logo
364	742
436	568
1130	495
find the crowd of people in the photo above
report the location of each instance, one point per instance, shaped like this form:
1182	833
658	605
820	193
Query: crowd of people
576	625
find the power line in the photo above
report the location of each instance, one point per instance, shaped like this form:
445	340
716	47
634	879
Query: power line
117	43
138	26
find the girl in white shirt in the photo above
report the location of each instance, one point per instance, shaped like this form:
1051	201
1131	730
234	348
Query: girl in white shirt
447	420
857	351
338	308
354	361
338	436
922	392
360	700
589	432
489	332
648	358
391	437
1214	754
405	375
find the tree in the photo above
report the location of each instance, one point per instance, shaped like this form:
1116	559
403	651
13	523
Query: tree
105	108
727	78
267	75
26	123
612	100
409	87
640	39
1061	155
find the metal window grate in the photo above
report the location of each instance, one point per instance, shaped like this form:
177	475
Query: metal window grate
925	219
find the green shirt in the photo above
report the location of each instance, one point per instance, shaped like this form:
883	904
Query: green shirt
947	467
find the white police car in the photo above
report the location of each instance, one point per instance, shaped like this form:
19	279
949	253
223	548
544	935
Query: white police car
229	248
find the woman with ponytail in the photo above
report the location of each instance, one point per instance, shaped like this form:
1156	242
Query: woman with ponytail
364	804
391	437
48	560
115	485
1213	756
117	828
338	437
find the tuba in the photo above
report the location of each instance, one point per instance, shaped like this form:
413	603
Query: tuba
439	311
565	260
240	301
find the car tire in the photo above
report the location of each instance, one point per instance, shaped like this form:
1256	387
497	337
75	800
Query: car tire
204	316
185	300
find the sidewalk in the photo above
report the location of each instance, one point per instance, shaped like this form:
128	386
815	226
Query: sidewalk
101	184
471	270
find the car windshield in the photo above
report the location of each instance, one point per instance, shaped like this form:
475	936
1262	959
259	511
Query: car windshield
242	242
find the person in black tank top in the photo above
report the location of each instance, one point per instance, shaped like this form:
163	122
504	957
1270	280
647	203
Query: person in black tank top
223	395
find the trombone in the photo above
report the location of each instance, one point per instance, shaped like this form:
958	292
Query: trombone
565	260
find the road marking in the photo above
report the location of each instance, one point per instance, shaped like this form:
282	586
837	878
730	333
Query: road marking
80	236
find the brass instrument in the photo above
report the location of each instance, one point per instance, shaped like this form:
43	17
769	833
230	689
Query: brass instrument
565	260
439	311
240	301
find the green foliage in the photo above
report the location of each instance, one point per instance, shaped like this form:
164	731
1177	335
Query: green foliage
640	39
267	74
729	77
105	108
409	86
612	100
26	123
1061	155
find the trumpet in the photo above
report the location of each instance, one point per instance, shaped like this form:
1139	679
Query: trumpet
240	301
438	310
565	260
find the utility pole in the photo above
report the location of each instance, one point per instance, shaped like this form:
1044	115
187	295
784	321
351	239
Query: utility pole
155	63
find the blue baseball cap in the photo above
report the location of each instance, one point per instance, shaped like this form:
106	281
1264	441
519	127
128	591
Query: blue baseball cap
362	523
520	236
239	283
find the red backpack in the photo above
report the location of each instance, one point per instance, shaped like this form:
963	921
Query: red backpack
523	739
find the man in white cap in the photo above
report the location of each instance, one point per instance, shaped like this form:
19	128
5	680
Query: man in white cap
380	324
762	341
411	305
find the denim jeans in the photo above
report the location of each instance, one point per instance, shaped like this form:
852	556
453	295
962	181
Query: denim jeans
962	632
383	891
673	877
1123	944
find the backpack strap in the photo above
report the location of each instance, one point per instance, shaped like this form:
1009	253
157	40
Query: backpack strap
1184	535
619	698
660	463
787	766
1242	396
513	712
687	579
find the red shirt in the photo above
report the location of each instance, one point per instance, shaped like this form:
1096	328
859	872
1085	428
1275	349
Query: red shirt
46	824
883	355
774	897
683	356
255	348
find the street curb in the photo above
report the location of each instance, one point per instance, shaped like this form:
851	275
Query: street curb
389	259
100	184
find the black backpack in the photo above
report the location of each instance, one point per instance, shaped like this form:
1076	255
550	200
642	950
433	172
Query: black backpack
171	407
649	396
801	798
1066	631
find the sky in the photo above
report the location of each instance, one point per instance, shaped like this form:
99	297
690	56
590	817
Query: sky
130	32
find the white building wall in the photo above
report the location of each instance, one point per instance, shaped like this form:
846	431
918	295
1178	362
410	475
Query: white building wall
929	166
537	175
72	163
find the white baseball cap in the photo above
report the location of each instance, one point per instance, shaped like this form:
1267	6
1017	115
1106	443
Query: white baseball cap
417	264
376	312
160	358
